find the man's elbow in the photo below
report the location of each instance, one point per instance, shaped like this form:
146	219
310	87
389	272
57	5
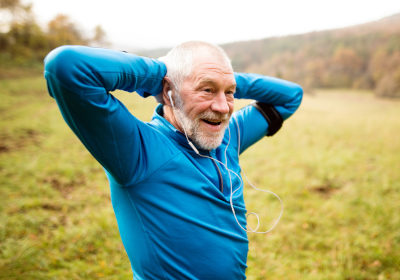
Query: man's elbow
61	63
297	96
290	107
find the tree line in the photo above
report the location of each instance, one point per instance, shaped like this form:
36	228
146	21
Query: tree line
360	57
24	43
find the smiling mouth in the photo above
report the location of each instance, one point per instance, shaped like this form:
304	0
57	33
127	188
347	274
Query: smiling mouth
211	122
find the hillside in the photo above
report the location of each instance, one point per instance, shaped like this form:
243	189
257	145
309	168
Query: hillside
365	56
362	56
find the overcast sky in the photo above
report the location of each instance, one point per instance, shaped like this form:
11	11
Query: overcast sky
134	24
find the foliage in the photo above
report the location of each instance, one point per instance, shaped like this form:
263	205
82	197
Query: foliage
63	32
361	57
24	43
14	10
335	164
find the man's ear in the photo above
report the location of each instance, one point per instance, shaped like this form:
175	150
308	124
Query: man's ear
167	86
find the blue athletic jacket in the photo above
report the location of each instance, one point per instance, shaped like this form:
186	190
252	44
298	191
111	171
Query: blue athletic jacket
172	206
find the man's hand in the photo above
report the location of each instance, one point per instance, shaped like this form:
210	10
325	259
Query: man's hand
159	97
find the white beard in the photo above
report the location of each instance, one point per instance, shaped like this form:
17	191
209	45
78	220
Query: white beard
203	139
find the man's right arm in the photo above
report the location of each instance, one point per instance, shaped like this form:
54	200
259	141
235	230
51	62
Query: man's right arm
80	79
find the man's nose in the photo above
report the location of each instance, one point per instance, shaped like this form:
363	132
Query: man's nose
220	104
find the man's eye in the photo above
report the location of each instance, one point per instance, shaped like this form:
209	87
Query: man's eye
230	92
209	90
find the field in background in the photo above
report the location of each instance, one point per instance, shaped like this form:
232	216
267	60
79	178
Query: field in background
336	165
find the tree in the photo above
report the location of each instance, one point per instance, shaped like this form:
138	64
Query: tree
99	38
62	31
21	39
389	86
12	11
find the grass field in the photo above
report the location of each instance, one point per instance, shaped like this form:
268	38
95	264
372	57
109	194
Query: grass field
336	165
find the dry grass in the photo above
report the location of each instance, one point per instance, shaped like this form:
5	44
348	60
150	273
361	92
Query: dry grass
335	164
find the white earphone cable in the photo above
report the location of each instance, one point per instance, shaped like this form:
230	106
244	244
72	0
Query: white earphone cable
232	192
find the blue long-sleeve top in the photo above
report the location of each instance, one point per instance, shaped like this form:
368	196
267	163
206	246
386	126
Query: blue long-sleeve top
172	205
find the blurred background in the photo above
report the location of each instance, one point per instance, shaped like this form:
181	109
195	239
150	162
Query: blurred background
336	162
360	49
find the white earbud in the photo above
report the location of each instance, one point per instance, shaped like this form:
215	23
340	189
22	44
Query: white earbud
170	98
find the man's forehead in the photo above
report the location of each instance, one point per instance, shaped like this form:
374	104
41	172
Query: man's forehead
226	78
207	67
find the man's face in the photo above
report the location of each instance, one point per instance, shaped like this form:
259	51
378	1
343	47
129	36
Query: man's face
206	101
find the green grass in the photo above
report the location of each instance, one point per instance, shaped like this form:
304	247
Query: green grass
336	165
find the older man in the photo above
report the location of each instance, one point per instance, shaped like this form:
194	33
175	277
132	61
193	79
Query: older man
172	178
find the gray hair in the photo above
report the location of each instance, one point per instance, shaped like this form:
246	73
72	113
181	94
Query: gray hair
179	60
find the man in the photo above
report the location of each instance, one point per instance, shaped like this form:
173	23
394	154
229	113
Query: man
171	179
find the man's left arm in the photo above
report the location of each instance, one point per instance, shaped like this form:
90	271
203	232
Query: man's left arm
276	100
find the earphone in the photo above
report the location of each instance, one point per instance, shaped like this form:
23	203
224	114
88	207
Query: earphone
170	98
230	178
